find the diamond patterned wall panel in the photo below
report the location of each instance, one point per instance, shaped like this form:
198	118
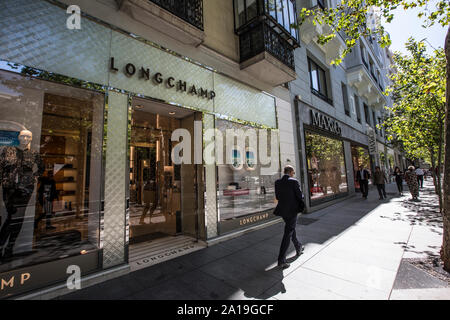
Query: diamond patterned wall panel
127	50
240	101
34	33
115	180
210	177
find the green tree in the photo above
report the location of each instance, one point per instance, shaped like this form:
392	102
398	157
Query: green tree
417	117
350	17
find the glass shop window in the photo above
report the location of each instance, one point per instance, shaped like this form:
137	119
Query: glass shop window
244	187
51	139
360	156
326	167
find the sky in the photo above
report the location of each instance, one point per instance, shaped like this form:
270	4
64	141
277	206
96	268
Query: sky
406	24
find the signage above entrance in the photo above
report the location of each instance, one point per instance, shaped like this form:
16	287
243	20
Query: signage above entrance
158	78
372	141
324	122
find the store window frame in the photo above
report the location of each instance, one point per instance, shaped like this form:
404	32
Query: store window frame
315	202
94	260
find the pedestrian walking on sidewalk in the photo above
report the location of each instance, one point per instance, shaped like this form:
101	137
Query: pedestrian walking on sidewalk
411	180
420	173
363	176
399	180
379	179
290	203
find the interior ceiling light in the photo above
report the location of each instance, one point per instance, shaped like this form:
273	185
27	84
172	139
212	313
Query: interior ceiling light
171	113
139	107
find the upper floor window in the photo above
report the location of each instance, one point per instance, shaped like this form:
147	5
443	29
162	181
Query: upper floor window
358	110
381	130
282	12
345	99
363	54
188	10
380	81
318	80
321	4
366	114
374	121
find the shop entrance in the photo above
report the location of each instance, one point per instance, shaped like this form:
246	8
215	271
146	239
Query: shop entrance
163	195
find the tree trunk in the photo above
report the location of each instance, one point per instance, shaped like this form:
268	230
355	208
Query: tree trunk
433	168
439	184
445	250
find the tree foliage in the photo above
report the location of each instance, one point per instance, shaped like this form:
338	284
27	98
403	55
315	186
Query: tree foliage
350	18
418	113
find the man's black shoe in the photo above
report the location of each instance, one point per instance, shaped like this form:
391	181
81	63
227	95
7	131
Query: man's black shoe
284	265
300	251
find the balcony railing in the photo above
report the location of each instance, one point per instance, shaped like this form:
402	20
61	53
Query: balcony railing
262	38
190	11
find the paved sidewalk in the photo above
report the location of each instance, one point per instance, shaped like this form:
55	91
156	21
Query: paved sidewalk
353	250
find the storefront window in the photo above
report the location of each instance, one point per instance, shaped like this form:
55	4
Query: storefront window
244	187
391	162
326	167
360	156
383	160
51	139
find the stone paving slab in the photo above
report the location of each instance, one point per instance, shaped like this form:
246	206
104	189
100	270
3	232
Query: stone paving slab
421	294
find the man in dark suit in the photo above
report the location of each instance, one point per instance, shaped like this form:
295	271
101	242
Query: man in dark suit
290	203
363	176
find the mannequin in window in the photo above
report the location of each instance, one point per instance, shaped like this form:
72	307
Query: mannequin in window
46	194
19	169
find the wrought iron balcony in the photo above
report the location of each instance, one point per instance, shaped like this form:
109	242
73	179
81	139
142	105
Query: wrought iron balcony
190	11
260	38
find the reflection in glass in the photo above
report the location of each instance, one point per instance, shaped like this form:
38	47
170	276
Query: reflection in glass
360	156
286	15
292	18
162	193
240	12
326	168
244	190
252	10
51	177
279	8
155	188
271	8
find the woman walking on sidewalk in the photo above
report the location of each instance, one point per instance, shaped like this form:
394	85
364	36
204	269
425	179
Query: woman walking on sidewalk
413	185
399	180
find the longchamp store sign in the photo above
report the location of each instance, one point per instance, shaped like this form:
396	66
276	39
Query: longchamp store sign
246	221
170	82
33	277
